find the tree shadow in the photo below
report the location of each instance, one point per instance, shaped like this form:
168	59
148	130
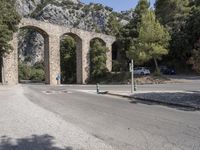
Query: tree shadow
35	142
189	101
184	77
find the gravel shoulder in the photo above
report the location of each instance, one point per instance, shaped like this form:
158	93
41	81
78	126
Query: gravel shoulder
174	98
24	125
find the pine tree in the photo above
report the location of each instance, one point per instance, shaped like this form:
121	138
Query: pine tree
114	25
9	19
192	36
129	33
152	42
98	59
172	13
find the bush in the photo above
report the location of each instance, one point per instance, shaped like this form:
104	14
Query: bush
116	66
113	78
35	72
98	60
68	60
24	71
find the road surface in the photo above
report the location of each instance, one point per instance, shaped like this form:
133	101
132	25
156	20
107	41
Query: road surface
117	121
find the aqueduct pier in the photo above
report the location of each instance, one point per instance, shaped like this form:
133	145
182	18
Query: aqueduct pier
52	34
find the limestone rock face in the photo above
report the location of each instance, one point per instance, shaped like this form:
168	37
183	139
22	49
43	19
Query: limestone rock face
25	7
31	47
70	13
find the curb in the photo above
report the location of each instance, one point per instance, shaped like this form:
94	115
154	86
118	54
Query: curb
119	95
154	101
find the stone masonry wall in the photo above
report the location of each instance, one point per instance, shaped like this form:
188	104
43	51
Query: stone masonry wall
52	34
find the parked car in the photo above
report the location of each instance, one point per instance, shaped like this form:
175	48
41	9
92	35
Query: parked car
167	71
141	71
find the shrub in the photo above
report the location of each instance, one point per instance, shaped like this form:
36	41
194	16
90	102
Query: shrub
116	66
37	74
98	60
24	71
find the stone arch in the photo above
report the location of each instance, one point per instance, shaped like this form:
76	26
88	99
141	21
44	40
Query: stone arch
98	38
78	41
45	35
52	34
91	65
115	56
106	43
114	51
38	29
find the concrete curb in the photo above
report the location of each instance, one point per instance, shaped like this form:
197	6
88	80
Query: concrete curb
153	100
119	95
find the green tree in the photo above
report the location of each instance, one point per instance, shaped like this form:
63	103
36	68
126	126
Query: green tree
114	25
172	13
24	71
68	60
129	33
195	60
98	59
34	73
152	42
9	19
141	8
192	37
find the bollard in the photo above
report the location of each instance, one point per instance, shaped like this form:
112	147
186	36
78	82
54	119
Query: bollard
97	88
135	89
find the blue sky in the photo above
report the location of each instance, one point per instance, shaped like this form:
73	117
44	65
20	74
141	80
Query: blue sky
117	5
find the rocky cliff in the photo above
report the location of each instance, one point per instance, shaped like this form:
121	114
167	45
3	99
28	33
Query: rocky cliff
70	13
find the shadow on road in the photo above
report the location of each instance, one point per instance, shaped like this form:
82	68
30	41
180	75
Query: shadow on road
35	142
189	101
185	77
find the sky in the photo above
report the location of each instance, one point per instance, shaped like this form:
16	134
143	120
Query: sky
117	5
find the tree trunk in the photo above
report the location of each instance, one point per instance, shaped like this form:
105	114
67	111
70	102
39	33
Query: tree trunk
156	64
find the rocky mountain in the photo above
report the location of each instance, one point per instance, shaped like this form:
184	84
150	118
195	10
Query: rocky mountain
70	13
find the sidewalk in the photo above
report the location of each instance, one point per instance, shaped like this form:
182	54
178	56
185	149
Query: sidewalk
26	126
175	98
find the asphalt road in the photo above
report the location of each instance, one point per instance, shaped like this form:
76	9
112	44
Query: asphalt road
117	121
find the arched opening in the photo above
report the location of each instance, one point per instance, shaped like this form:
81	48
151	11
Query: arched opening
33	55
116	55
70	58
98	58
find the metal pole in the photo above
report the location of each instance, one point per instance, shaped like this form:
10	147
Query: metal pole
97	88
132	75
135	89
2	71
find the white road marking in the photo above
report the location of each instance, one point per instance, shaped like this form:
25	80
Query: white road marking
50	92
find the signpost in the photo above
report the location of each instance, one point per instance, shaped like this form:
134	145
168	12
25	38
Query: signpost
131	67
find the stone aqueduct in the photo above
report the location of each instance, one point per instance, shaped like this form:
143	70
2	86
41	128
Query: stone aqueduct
52	34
